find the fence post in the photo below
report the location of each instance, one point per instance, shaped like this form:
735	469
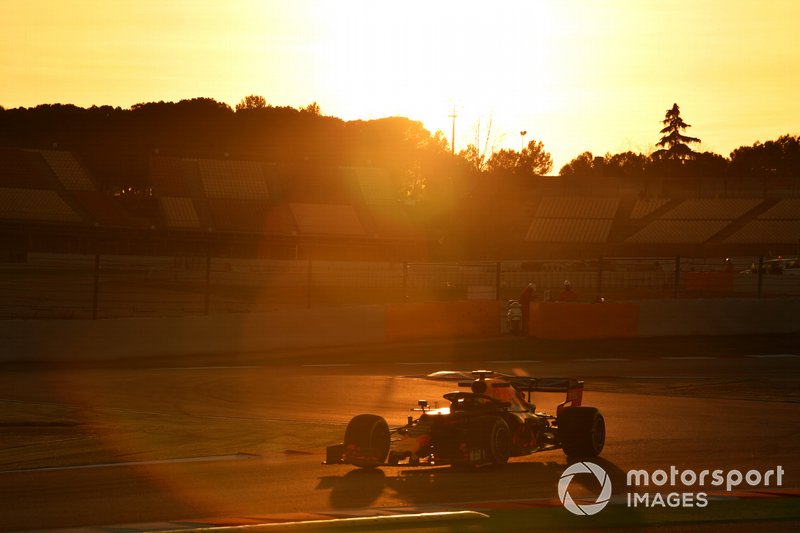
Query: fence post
599	278
207	302
405	282
677	275
497	281
309	282
96	285
760	285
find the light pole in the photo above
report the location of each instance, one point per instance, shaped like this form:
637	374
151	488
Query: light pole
522	135
453	116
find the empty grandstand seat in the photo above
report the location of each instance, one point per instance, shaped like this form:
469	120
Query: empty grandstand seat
35	205
390	221
18	170
644	207
678	231
240	180
178	212
327	219
68	170
577	207
712	208
786	209
251	216
107	211
372	185
766	232
568	230
169	176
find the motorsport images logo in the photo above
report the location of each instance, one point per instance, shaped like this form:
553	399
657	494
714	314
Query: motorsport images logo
673	487
589	508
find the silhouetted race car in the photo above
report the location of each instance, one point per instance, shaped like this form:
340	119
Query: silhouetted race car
486	424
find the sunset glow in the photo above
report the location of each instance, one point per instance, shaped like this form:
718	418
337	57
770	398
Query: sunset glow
577	74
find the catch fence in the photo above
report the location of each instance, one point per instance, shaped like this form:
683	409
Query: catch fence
73	286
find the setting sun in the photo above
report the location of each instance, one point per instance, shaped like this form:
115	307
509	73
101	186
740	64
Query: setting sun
578	75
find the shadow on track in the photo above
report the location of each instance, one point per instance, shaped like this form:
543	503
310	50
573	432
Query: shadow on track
448	484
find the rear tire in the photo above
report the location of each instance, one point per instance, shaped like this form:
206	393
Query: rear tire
368	436
494	436
582	431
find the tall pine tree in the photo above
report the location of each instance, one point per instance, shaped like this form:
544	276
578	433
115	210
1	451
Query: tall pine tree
673	143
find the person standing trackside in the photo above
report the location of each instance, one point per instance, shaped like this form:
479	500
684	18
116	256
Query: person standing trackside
528	295
567	295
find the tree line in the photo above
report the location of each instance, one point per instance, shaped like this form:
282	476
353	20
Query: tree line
674	157
116	144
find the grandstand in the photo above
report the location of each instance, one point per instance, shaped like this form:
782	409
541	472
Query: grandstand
647	206
52	186
321	219
237	180
252	207
693	220
780	223
573	220
36	205
372	186
69	172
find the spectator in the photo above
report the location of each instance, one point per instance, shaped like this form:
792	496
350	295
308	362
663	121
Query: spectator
728	265
528	295
567	295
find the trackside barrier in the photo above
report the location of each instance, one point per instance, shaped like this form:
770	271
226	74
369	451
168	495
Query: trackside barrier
718	317
107	339
709	281
411	321
563	321
121	338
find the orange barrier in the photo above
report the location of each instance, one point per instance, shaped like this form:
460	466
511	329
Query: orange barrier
583	321
708	281
442	319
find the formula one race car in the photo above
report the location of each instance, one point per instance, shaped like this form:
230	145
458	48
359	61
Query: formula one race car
485	425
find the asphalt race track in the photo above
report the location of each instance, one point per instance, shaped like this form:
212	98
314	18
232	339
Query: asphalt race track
238	439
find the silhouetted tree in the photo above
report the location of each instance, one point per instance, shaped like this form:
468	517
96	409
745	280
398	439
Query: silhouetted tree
534	160
779	158
252	101
626	164
673	142
708	164
582	166
503	161
473	159
313	108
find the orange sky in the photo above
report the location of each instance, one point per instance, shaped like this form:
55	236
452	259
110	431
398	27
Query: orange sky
579	75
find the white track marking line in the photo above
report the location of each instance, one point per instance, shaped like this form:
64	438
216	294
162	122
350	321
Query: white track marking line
666	377
600	359
439	363
206	367
321	365
775	356
688	358
236	457
516	361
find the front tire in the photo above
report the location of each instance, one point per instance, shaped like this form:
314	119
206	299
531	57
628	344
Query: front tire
582	431
494	436
366	441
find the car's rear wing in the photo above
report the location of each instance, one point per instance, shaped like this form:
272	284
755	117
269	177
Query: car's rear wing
528	384
572	386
